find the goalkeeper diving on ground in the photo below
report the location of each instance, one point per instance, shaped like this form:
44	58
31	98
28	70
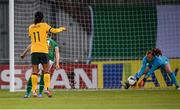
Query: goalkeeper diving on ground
152	61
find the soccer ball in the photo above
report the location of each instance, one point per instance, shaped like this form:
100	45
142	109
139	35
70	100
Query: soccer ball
131	80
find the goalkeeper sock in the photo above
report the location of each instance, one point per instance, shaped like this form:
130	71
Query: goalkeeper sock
46	80
173	79
34	79
29	87
41	84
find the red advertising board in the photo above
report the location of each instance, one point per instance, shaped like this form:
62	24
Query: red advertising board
66	77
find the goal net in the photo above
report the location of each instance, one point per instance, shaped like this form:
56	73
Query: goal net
105	40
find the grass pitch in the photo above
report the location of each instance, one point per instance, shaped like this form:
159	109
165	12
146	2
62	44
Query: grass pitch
100	99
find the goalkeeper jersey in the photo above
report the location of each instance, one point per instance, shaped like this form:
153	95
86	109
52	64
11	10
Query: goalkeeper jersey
156	63
153	65
52	45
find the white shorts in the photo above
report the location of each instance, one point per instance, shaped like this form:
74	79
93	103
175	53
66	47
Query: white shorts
49	68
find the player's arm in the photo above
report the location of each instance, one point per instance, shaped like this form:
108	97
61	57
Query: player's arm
56	30
25	51
57	56
141	71
149	73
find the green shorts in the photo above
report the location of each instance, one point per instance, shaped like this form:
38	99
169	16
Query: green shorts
39	58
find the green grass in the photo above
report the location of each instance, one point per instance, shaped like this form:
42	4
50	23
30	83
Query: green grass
110	99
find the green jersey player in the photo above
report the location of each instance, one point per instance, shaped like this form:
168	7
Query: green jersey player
53	56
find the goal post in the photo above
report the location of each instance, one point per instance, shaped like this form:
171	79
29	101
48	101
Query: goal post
104	43
11	45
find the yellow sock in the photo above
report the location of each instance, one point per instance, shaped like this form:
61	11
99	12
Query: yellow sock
46	81
34	79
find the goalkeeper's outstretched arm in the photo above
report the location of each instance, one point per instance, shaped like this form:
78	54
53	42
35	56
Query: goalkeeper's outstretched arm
22	55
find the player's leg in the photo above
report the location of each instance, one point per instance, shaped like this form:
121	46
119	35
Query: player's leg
28	89
46	80
50	64
172	75
45	64
41	85
34	77
41	82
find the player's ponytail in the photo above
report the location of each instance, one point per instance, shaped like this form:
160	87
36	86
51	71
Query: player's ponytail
157	51
38	17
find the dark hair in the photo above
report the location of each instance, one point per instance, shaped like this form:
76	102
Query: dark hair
157	51
38	17
150	52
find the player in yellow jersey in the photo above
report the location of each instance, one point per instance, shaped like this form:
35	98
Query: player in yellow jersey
39	50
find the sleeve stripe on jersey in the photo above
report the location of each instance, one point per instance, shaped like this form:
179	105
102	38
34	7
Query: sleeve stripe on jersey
50	29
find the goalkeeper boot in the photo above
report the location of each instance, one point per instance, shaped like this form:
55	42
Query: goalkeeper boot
34	93
48	93
126	85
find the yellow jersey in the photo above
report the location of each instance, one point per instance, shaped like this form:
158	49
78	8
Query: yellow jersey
38	34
